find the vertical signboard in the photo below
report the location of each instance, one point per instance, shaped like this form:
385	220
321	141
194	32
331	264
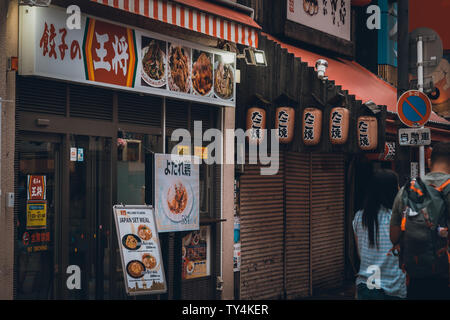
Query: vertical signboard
140	250
196	252
332	16
387	35
176	185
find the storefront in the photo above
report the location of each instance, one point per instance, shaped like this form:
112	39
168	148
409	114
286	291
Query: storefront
89	112
294	224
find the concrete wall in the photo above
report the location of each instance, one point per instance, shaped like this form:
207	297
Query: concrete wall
9	28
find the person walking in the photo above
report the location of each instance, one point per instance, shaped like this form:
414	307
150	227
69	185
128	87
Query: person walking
379	276
419	226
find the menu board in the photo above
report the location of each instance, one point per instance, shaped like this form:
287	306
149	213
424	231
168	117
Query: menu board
196	252
140	250
176	188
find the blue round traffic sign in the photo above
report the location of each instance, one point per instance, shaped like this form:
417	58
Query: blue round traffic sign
414	108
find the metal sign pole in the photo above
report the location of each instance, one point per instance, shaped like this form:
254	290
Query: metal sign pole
420	87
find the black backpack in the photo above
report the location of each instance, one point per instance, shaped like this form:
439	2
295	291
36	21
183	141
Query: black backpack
423	252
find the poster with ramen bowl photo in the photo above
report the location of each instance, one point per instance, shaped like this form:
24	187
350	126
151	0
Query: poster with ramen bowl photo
176	186
140	250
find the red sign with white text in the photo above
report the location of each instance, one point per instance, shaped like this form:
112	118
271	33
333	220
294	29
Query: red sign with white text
36	187
110	53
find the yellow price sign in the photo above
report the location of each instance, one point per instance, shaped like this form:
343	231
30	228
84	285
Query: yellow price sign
36	214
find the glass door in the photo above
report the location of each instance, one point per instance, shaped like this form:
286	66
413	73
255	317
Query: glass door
37	221
89	215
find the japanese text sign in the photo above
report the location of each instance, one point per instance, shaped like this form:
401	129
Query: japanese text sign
176	188
36	214
414	137
332	16
367	128
312	126
36	187
109	54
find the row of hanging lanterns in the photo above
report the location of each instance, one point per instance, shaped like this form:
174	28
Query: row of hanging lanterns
367	126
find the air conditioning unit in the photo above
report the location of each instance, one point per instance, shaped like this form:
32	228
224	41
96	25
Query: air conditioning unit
35	3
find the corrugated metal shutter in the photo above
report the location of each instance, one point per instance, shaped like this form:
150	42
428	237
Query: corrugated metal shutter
176	114
144	110
312	189
41	96
297	224
91	102
261	214
327	221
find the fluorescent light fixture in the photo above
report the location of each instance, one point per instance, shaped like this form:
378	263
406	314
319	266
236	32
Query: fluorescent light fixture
259	57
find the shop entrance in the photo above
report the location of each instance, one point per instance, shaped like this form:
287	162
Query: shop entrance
63	230
88	216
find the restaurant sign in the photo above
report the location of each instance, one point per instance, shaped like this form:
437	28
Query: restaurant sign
117	56
176	185
140	250
332	17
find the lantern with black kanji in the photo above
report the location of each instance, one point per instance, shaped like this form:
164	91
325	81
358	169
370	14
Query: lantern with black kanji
284	123
367	128
312	126
339	124
256	123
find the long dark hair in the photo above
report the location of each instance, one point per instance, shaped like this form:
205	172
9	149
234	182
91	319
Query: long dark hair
381	191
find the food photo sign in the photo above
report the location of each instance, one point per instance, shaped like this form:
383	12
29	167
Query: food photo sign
196	248
118	56
140	250
176	185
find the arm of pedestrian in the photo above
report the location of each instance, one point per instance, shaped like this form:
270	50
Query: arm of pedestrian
395	234
357	246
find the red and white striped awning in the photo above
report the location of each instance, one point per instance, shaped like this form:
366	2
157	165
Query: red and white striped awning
196	15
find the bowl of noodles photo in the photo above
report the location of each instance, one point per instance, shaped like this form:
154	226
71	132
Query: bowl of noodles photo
223	80
154	64
177	199
131	241
135	269
179	68
149	261
144	232
202	74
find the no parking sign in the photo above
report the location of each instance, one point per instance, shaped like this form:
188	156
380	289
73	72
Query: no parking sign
414	108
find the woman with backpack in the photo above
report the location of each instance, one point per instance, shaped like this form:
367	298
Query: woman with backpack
379	275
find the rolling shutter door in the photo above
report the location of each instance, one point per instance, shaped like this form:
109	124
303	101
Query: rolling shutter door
327	209
261	214
297	225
